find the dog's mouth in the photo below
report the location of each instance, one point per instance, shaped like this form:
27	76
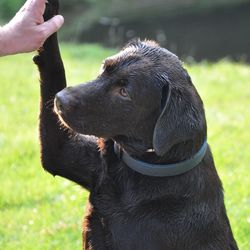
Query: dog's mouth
63	111
61	115
65	123
67	118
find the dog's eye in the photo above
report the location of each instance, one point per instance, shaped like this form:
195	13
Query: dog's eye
123	92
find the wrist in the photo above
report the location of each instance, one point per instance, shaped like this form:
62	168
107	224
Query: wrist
5	41
2	42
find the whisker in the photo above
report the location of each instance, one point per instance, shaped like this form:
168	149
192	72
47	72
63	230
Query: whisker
50	104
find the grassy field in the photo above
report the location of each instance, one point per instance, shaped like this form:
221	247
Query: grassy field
40	212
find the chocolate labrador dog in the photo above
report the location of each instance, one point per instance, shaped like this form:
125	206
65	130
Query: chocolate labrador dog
152	180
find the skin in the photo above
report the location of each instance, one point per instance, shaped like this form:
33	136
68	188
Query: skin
27	31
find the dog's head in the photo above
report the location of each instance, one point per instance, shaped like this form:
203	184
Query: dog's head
142	94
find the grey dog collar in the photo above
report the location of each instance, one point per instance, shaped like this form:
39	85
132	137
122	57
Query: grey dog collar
161	170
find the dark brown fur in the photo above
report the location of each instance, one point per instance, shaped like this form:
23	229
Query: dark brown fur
143	99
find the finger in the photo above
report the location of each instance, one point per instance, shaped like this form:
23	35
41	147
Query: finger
37	6
52	25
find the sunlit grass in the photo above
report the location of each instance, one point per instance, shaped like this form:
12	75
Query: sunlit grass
40	212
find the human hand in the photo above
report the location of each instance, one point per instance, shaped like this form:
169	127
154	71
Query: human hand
27	31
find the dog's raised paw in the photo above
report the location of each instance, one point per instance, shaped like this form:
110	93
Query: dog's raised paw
52	9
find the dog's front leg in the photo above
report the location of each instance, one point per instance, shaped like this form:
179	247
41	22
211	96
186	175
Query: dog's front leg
72	157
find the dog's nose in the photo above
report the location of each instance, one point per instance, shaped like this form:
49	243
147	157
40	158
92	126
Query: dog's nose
61	102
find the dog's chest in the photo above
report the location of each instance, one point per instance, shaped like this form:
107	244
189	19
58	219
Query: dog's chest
128	214
124	221
124	227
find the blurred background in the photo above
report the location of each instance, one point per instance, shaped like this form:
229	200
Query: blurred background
194	29
212	37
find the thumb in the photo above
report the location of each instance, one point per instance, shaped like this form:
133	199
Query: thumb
52	25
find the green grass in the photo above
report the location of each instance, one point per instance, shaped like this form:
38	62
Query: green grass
40	212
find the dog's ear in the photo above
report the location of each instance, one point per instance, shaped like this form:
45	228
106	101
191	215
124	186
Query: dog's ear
181	117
